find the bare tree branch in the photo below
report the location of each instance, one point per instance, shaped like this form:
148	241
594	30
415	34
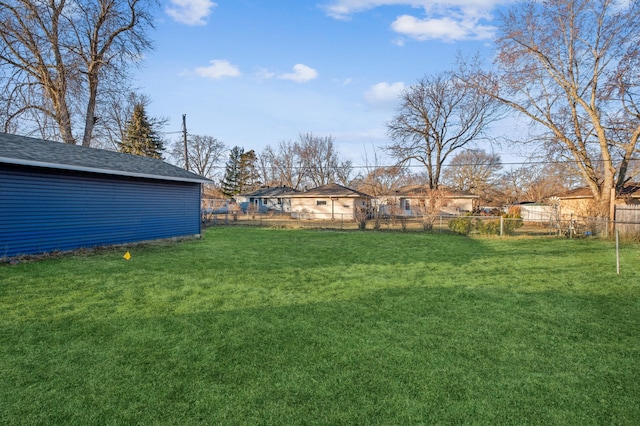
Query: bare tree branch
57	53
437	117
571	66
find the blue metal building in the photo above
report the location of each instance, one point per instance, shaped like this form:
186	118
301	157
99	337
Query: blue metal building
55	196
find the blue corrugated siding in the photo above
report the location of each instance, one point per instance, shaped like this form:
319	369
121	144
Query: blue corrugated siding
43	212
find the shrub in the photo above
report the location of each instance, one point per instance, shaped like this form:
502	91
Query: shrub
511	222
464	225
461	225
488	227
361	217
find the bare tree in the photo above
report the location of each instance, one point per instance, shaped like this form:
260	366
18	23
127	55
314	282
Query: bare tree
429	208
344	172
282	166
267	172
204	152
55	55
379	182
320	162
571	66
310	161
533	182
473	170
437	117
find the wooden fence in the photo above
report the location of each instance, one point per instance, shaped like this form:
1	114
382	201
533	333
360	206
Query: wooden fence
628	220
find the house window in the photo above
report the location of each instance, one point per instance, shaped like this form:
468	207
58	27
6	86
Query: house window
265	201
407	205
279	200
321	202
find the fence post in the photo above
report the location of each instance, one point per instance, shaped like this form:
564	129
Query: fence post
618	252
501	225
571	226
612	211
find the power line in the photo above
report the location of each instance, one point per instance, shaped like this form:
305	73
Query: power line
411	166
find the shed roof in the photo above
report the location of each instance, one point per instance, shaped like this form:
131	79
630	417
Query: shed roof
26	151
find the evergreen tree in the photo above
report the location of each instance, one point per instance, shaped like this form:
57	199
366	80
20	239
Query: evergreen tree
249	176
231	182
140	138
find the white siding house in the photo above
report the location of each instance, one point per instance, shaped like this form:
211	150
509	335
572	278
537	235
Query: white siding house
327	202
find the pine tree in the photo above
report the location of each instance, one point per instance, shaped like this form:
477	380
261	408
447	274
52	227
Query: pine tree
231	182
249	176
140	138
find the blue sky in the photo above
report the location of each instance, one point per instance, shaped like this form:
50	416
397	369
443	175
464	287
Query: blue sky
253	72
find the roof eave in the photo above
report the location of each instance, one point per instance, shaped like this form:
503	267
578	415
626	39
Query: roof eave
31	163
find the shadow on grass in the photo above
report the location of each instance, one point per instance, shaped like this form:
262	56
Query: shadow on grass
312	247
390	356
234	268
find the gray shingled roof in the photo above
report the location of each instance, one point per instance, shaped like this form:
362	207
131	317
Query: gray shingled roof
273	191
25	151
328	190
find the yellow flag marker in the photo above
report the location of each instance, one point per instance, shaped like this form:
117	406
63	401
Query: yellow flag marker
127	256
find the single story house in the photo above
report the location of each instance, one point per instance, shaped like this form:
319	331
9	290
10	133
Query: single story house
411	200
267	199
328	202
579	201
57	197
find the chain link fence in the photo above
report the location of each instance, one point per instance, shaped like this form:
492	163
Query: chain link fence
578	227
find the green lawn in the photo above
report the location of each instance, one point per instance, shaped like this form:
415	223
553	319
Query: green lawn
274	326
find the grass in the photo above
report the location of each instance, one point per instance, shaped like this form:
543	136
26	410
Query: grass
264	326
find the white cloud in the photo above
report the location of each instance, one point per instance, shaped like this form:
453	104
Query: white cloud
445	28
190	12
384	92
343	9
264	74
301	73
448	20
218	68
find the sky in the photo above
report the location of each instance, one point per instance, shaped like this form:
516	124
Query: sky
253	73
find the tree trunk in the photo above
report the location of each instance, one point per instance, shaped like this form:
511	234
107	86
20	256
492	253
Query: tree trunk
90	118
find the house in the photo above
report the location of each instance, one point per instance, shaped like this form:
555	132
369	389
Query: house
328	202
267	199
55	196
579	201
411	201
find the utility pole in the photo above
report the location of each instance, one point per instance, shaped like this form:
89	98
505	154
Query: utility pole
184	136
